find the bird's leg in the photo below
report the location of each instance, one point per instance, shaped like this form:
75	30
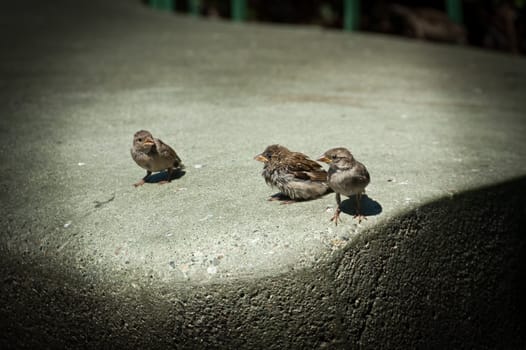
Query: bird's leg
143	180
169	179
336	215
282	198
275	197
359	216
287	201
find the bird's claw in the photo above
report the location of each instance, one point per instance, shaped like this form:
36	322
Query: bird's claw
336	217
140	183
359	217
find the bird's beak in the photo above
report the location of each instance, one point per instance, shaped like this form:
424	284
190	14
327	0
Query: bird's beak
261	158
324	159
148	142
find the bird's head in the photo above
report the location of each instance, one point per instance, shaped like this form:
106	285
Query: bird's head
143	140
272	153
339	157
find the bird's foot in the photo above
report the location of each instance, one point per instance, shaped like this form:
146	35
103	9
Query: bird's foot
163	182
336	217
280	197
359	217
140	183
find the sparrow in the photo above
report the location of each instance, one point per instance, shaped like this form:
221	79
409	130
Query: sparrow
293	173
347	177
154	155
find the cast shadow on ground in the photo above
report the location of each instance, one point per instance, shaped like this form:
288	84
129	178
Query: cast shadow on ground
369	207
163	176
48	303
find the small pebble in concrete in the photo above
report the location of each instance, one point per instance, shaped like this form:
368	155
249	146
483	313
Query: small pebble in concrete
199	166
172	264
212	270
67	224
81	164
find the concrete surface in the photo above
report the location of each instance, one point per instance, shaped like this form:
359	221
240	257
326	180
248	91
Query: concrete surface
88	261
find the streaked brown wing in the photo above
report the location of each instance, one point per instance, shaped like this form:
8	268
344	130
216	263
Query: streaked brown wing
304	168
310	175
167	152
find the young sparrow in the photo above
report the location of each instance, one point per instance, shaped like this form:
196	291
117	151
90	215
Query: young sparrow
347	176
293	173
154	155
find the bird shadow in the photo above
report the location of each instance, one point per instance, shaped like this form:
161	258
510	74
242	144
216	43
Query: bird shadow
284	199
163	176
369	207
281	198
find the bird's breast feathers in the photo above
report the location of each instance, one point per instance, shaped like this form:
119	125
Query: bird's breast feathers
347	182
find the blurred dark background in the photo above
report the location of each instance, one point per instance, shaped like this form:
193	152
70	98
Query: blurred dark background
491	24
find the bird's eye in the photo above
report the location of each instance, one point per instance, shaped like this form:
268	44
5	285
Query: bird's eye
139	139
334	157
268	155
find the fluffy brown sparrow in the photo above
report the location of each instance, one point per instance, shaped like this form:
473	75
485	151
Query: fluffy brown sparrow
154	155
293	173
347	176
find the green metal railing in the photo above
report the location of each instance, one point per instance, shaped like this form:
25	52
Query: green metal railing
166	5
351	14
194	7
239	10
454	10
351	10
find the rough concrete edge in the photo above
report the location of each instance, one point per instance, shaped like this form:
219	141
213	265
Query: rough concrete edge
368	295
